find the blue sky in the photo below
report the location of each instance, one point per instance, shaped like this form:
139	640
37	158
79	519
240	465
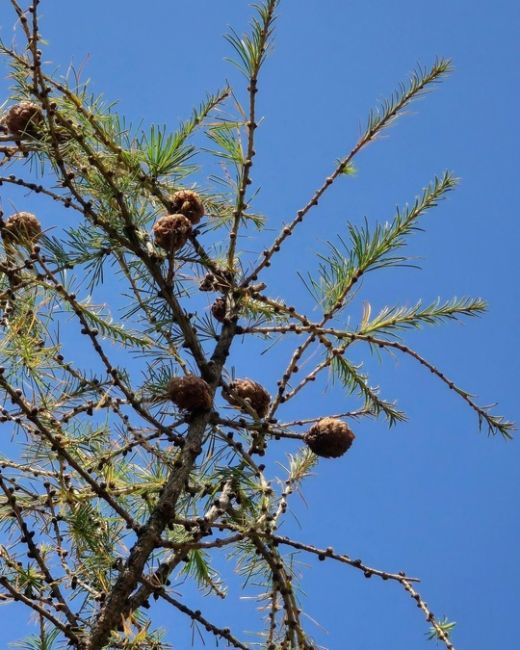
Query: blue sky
433	496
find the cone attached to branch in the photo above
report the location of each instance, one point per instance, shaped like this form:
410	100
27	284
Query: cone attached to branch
329	438
222	283
218	309
251	392
188	203
171	232
190	393
23	118
22	228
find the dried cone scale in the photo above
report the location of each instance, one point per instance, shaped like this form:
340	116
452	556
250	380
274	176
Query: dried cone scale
22	228
188	203
329	438
190	393
171	232
22	118
252	392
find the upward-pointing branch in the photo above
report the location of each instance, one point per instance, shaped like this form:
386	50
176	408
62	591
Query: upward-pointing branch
378	120
252	51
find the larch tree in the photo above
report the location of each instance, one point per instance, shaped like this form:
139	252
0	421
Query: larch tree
146	459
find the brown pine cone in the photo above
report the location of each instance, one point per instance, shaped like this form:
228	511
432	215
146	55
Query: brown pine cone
252	392
23	118
211	283
188	203
190	393
218	309
22	228
329	438
171	232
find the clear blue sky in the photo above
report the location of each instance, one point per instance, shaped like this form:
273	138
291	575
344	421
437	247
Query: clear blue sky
434	496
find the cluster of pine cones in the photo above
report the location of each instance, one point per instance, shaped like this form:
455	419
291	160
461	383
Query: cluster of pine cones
172	231
329	437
